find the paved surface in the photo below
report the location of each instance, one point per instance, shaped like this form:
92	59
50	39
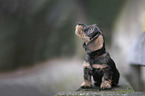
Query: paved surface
123	89
101	93
43	80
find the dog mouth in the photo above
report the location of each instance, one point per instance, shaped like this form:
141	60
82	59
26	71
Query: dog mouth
80	33
96	36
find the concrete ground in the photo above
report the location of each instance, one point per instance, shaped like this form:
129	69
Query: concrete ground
43	79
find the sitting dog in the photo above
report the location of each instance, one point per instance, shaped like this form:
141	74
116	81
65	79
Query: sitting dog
98	62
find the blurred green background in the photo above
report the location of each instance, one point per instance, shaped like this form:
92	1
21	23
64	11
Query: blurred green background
36	30
39	52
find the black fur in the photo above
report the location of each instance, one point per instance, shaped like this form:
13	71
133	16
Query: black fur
99	56
87	74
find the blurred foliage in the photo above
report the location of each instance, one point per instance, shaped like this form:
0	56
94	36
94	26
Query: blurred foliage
36	30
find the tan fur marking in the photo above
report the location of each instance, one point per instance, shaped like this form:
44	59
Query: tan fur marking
86	83
87	65
106	84
79	32
97	43
99	66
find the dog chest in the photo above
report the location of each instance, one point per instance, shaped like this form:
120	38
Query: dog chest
103	59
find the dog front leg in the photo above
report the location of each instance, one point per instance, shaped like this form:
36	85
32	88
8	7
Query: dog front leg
107	78
87	75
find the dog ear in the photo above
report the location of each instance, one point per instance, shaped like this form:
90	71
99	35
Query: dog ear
96	44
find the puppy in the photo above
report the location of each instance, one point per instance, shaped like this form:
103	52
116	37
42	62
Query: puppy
98	62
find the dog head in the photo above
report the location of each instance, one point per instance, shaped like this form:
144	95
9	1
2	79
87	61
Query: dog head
91	35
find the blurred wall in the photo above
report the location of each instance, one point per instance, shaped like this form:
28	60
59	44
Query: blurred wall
33	31
36	30
127	27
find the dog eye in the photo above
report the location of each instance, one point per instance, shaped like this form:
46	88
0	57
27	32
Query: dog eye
91	29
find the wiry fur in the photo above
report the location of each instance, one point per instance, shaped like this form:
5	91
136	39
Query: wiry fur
98	62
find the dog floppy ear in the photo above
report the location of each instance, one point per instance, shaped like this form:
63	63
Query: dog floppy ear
96	43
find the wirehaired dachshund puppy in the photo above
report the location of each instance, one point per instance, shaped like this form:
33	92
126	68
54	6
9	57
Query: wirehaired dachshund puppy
98	62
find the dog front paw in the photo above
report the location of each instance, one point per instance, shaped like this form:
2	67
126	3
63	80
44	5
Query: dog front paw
86	85
106	85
